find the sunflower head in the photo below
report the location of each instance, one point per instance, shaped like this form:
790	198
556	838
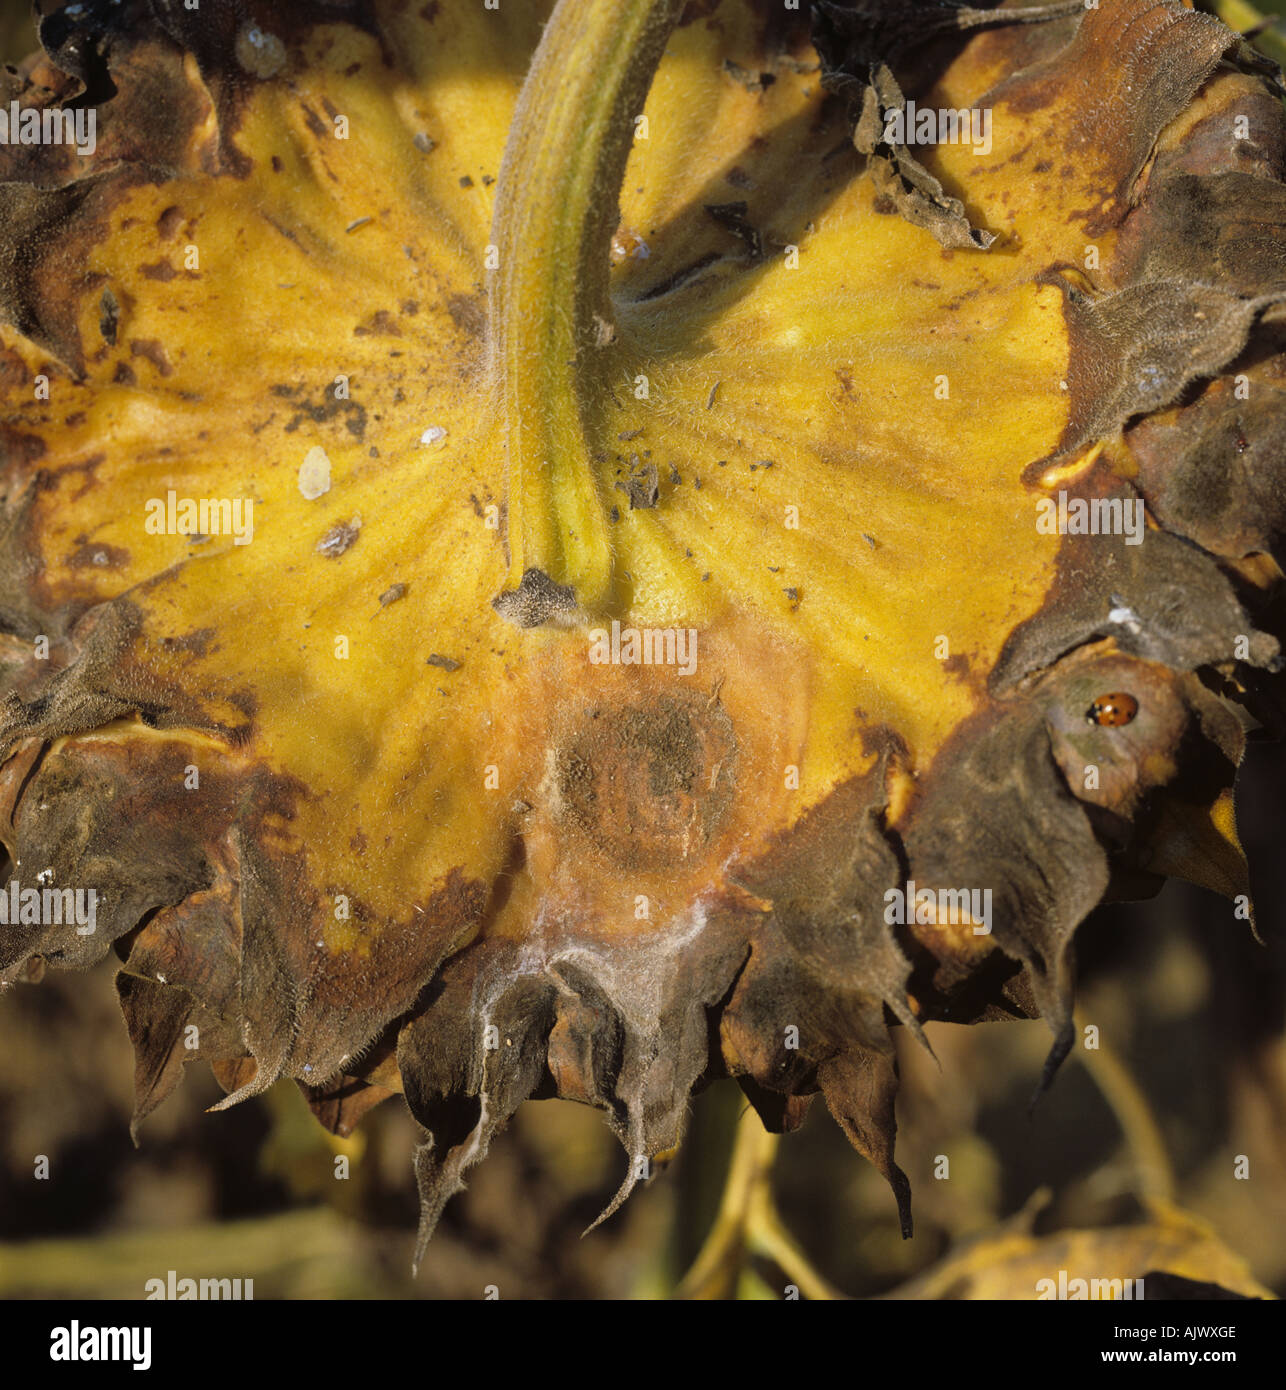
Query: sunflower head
581	550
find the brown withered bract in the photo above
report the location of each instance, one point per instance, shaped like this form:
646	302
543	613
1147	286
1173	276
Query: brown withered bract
352	267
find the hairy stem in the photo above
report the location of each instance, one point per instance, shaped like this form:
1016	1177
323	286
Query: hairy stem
556	211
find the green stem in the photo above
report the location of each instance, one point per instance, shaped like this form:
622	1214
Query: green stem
770	1238
1143	1137
748	1223
556	211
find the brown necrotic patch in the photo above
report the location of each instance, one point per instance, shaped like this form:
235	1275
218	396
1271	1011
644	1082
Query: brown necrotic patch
328	408
650	784
89	553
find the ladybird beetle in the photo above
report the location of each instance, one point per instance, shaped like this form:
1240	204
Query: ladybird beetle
1113	710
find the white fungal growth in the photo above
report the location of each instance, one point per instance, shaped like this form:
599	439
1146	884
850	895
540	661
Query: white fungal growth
434	436
1124	617
314	473
259	53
